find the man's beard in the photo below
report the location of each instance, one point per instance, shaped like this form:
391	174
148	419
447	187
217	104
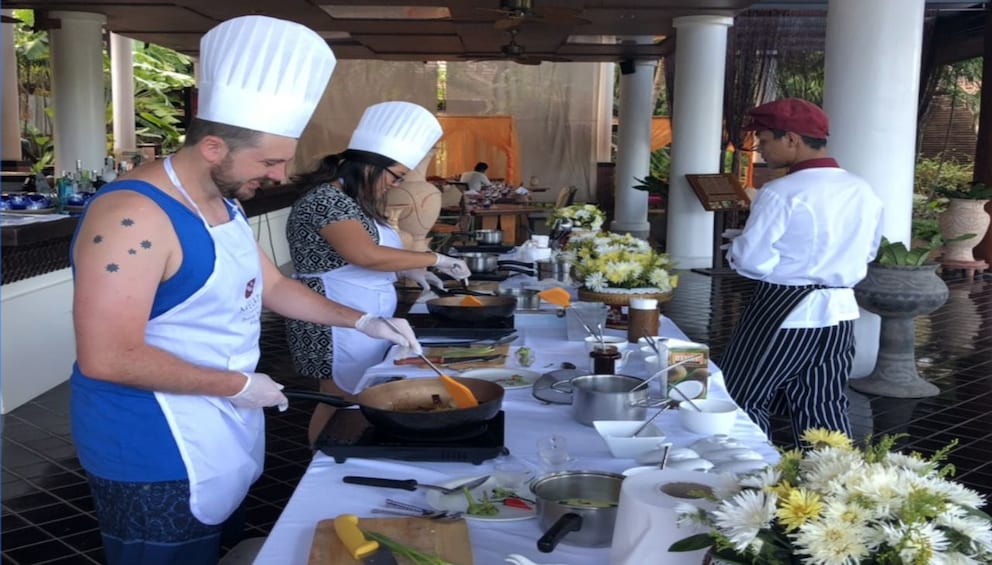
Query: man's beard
228	186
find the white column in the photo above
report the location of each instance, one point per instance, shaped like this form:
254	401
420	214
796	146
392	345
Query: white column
872	77
77	89
604	113
122	91
10	139
697	126
634	148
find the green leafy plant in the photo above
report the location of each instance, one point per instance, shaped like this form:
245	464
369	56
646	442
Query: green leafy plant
970	191
652	185
896	253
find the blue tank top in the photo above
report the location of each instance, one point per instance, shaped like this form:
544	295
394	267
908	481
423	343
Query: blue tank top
120	432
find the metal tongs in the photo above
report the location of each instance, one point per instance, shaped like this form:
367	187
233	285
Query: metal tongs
398	508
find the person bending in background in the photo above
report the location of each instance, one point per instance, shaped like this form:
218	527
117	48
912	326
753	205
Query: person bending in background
169	289
476	179
808	240
342	247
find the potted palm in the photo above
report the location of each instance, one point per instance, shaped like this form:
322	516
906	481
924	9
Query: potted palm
965	214
901	284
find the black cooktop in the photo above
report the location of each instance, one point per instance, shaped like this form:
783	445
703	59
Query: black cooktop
349	434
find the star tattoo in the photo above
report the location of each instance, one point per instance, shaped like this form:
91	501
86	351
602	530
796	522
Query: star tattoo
113	267
146	244
98	239
127	222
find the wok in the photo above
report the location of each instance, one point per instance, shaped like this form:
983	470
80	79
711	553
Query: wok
493	307
398	406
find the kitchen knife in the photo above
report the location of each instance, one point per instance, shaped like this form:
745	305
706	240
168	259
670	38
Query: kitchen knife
367	551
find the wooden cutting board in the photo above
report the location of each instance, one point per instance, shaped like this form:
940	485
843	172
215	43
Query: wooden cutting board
449	540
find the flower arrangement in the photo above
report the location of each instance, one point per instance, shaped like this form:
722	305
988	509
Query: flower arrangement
836	504
606	261
582	216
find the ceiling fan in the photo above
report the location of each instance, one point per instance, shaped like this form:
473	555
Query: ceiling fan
516	53
517	12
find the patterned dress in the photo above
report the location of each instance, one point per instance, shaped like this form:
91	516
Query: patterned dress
310	344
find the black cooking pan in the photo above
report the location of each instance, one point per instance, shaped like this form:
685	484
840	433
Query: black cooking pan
407	406
493	307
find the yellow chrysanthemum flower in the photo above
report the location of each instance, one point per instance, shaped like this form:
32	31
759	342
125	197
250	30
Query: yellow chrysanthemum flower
797	507
819	438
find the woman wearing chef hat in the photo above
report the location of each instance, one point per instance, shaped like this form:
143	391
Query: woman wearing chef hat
169	289
342	247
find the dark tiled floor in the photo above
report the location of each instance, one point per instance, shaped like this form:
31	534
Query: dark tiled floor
47	514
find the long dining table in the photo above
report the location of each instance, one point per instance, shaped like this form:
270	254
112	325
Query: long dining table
321	494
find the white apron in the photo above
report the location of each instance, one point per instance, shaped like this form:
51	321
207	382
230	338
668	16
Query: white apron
366	290
222	446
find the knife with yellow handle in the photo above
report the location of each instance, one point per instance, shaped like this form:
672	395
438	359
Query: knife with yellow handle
362	549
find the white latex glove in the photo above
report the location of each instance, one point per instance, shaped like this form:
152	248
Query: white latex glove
423	277
396	330
454	268
260	391
730	233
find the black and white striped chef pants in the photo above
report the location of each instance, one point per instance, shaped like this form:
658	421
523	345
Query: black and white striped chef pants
811	366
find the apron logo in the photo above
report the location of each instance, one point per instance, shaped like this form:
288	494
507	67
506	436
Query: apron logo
249	288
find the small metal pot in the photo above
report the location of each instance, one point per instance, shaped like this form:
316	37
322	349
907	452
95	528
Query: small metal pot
605	397
526	299
557	268
480	262
488	237
577	508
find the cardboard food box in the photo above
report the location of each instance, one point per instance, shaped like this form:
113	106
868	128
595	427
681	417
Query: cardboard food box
697	369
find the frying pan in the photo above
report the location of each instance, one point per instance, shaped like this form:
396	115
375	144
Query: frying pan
493	307
393	406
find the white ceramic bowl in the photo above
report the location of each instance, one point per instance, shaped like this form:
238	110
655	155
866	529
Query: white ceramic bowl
616	434
713	417
619	342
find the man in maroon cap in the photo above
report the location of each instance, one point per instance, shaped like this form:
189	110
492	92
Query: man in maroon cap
807	241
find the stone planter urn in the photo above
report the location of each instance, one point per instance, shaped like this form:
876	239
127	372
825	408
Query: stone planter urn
963	216
898	294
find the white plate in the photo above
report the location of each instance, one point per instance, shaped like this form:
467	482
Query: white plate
456	502
507	378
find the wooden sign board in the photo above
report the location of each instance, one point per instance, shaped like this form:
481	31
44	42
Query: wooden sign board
718	192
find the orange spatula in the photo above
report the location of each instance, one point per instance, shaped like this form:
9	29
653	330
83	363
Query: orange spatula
557	296
461	394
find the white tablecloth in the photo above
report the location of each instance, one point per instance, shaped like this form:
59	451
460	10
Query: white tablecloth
321	494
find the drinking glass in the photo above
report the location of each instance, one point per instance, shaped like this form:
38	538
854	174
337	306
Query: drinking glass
553	452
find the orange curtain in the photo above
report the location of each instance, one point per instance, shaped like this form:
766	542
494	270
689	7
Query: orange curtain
470	139
661	132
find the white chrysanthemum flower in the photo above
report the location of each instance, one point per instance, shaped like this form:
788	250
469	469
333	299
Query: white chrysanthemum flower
913	463
622	271
595	282
886	489
826	469
726	486
954	492
955	558
845	512
767	477
742	517
916	543
972	527
659	278
833	543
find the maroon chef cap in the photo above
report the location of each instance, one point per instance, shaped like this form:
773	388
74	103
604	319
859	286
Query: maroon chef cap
790	114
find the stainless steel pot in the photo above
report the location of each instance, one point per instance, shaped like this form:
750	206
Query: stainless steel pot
557	268
605	397
577	508
479	262
526	299
488	237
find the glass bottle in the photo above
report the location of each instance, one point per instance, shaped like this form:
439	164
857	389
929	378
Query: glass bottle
604	360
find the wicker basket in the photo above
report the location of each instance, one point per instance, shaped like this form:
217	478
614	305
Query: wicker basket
620	299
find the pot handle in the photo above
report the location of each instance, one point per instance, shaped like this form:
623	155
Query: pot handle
318	396
570	522
558	385
525	264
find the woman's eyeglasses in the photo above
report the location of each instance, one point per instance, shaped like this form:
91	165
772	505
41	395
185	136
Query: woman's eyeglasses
397	178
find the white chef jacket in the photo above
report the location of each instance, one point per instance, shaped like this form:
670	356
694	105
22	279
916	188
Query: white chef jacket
818	225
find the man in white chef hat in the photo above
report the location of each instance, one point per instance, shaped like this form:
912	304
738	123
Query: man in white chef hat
169	289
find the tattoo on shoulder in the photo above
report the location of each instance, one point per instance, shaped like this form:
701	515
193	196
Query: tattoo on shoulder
127	222
145	244
132	252
98	239
113	267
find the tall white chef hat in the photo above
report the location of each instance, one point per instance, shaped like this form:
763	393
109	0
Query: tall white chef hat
262	74
402	131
